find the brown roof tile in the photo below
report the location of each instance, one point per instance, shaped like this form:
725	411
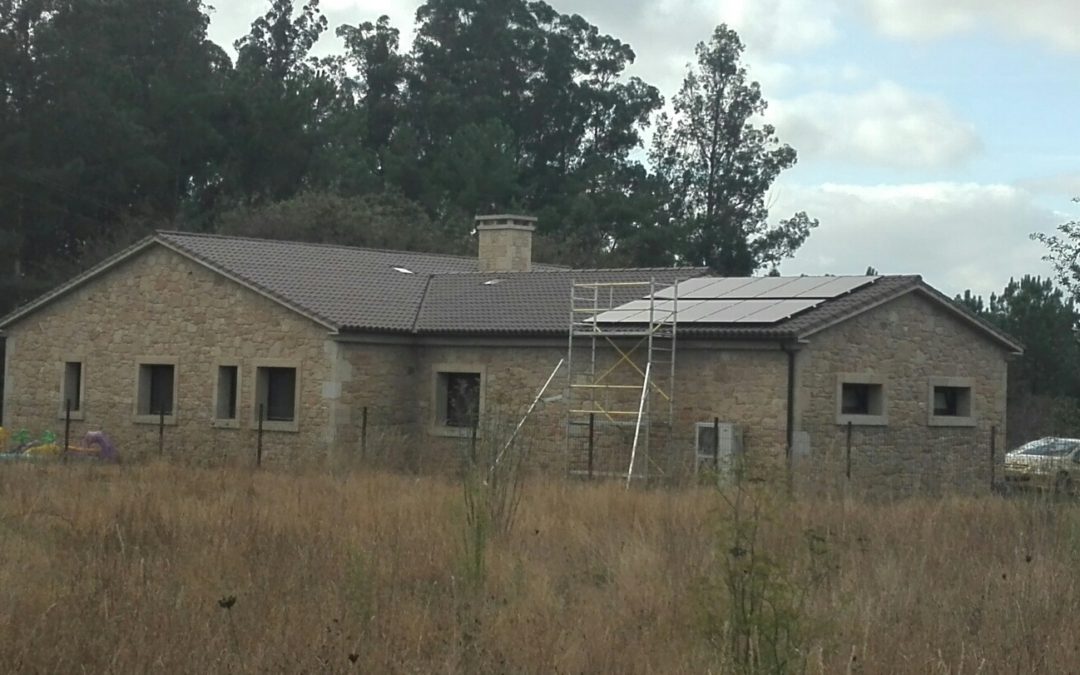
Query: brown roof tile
357	289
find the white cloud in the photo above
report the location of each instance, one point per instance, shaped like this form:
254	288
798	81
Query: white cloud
957	235
886	125
1063	185
1051	21
781	26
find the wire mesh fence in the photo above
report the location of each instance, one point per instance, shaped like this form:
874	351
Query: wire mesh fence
896	461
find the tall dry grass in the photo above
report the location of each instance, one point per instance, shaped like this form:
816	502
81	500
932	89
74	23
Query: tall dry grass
177	569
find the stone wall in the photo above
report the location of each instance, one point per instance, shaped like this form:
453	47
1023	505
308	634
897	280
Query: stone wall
375	417
904	344
505	247
160	304
735	383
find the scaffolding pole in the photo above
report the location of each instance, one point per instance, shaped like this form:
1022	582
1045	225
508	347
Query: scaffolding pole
630	353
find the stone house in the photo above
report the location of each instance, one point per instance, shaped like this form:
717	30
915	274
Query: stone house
197	341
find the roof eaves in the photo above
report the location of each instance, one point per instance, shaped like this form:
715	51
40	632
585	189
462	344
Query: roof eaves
247	283
916	284
105	265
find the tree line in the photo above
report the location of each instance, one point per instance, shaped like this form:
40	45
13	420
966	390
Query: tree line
122	116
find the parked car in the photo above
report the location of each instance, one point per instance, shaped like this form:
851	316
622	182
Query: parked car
1045	464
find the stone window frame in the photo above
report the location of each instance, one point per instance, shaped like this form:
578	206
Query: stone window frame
171	419
215	379
276	425
843	419
80	414
438	398
970	420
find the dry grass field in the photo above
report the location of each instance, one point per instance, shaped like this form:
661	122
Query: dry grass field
184	570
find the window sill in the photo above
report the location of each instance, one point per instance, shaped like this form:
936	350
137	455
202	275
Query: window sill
452	432
155	420
225	424
863	420
947	421
290	427
76	416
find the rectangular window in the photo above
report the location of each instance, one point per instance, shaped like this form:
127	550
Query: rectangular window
459	399
157	382
72	389
276	394
861	400
228	392
951	402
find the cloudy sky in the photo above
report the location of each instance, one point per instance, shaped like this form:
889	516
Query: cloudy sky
934	135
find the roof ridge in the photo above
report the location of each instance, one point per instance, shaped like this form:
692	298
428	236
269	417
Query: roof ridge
572	270
295	242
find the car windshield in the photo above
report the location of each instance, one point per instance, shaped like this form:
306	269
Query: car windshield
1049	447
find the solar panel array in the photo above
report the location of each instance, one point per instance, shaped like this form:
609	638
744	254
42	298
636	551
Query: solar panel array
761	300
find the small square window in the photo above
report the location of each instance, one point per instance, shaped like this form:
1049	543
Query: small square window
228	393
71	394
157	382
860	398
276	394
951	402
459	399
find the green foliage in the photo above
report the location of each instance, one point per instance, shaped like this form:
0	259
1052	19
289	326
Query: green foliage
718	166
1045	321
1044	383
1063	251
381	220
754	607
120	116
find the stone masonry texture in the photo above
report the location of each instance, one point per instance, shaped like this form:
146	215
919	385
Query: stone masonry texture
159	304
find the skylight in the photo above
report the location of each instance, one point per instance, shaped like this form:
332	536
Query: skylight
492	282
404	270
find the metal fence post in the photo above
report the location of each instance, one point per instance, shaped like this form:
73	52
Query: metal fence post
592	421
993	459
848	452
363	433
716	444
259	440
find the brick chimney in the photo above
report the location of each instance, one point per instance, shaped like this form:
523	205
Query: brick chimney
505	243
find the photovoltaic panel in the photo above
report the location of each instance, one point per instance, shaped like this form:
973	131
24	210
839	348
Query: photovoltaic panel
704	309
708	288
781	310
737	300
800	287
748	288
840	285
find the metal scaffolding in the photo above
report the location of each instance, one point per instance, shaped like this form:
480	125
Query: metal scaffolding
621	378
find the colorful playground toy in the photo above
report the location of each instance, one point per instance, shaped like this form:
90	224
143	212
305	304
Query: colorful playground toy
21	445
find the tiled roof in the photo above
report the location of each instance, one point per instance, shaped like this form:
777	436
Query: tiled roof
348	288
536	302
355	289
